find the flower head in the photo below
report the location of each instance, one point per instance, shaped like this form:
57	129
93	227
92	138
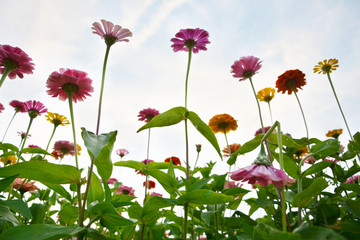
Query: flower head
151	184
246	67
233	147
1	108
8	160
260	130
334	133
326	66
69	82
26	186
301	152
266	94
111	181
190	39
122	152
124	190
23	134
147	114
15	60
19	106
146	161
34	108
230	184
290	81
222	123
57	155
33	146
174	160
57	119
111	33
155	194
63	148
198	147
353	179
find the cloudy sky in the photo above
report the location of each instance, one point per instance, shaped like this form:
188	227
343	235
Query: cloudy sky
145	72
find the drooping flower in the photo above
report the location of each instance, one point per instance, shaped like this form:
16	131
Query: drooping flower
194	39
151	184
124	190
111	33
174	160
16	61
233	147
69	81
147	114
23	134
26	186
34	108
57	119
222	123
146	161
122	152
260	131
334	133
290	81
155	194
8	160
353	179
64	148
1	108
19	106
198	147
326	66
266	94
246	67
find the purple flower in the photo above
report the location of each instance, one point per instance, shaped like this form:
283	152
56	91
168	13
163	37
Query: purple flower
65	148
147	114
19	106
246	67
194	39
34	108
266	129
23	134
122	152
230	184
111	33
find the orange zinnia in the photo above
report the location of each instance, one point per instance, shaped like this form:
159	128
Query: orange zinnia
222	123
233	147
334	133
290	81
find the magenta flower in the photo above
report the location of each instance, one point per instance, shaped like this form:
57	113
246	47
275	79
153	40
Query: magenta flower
246	67
64	148
69	82
122	152
33	146
16	61
19	106
147	114
111	33
1	108
259	131
34	108
23	134
194	39
124	190
111	181
231	184
155	194
198	147
146	161
353	179
262	175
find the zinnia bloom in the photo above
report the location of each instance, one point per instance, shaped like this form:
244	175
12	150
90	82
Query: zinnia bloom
8	160
334	133
19	106
230	184
147	114
146	161
25	187
124	190
222	123
63	148
233	147
122	152
57	155
260	131
174	160
34	108
353	179
301	152
290	81
15	60
194	39
266	94
246	67
23	134
33	146
155	194
151	184
1	108
326	66
110	33
57	119
69	81
111	181
262	175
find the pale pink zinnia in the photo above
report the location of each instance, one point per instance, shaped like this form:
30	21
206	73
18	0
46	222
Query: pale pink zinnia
15	60
122	152
111	33
34	108
18	106
24	185
353	179
194	39
124	190
1	107
69	81
23	134
246	67
147	114
64	148
262	175
155	194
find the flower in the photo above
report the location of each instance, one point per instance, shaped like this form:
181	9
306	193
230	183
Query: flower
334	133
246	67
63	148
174	160
262	175
190	39
266	94
310	160
124	190
23	134
198	147
301	152
1	107
146	161
34	108
111	33
122	152
334	160
326	66
222	123
16	61
111	181
260	130
353	179
8	160
57	155
233	147
151	184
290	81
57	119
230	184
69	82
26	186
19	106
33	146
147	114
155	194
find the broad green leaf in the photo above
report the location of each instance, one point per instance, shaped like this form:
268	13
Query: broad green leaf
131	164
8	146
59	190
43	171
203	196
219	181
317	167
351	187
265	232
325	148
4	183
205	130
68	215
206	217
354	145
235	191
318	233
286	140
353	206
96	192
305	197
290	165
197	185
38	212
155	203
168	118
35	150
246	147
100	147
122	200
169	183
19	206
6	215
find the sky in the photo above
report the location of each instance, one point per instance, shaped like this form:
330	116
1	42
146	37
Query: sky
145	72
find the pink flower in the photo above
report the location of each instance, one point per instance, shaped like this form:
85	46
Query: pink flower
353	179
246	67
33	146
259	131
194	39
24	185
23	134
111	33
69	81
15	60
64	148
19	106
111	181
146	161
1	107
34	108
198	147
231	184
155	194
122	152
124	190
334	160
147	114
262	175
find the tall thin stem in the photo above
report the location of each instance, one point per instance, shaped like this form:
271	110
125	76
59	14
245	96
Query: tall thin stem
271	118
187	77
24	140
5	74
147	176
303	115
9	125
51	137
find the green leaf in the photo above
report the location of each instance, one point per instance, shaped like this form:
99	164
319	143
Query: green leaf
19	206
100	147
290	165
122	200
168	118
35	150
43	171
351	187
265	232
219	181
353	206
325	148
96	192
205	130
4	183
68	215
131	164
317	167
246	147
304	198
286	140
197	185
6	215
59	190
206	217
38	212
169	183
8	146
155	203
318	233
203	196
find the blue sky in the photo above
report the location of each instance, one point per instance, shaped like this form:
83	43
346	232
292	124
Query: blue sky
146	72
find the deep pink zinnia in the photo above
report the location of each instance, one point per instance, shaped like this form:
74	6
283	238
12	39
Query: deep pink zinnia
64	147
1	107
147	114
19	106
34	108
111	33
69	82
146	161
23	134
262	175
155	194
15	60
124	190
194	39
33	146
246	67
353	179
122	152
260	130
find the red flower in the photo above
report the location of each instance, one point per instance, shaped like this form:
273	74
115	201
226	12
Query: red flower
151	184
290	81
246	67
19	106
174	160
147	114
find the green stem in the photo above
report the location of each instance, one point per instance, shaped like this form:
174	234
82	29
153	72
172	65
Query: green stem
216	222
9	125
5	74
186	206
187	76
229	150
51	137
281	160
187	150
303	115
271	118
24	140
197	158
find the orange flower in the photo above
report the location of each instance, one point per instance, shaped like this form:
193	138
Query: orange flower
151	184
174	160
290	81
233	148
301	152
8	160
222	123
26	186
334	133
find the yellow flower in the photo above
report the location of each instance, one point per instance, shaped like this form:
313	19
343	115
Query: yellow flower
78	149
301	152
334	133
57	119
222	123
326	66
266	94
8	160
